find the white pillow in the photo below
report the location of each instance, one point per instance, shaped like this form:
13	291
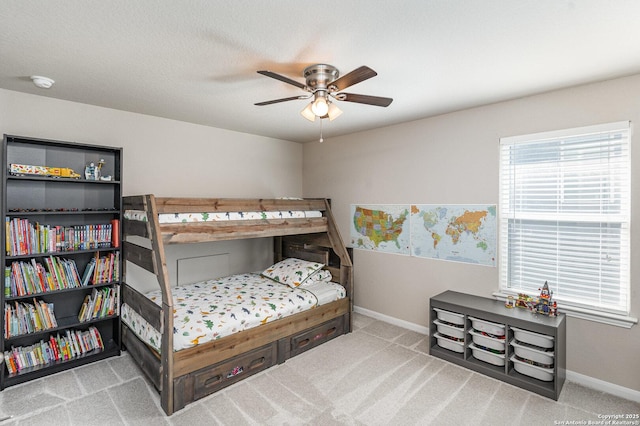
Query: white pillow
292	271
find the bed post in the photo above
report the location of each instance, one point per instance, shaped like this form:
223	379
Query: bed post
346	266
166	396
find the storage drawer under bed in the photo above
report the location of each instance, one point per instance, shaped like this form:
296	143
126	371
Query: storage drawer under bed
309	339
211	379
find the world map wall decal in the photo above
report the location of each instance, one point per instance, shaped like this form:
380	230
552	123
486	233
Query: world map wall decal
454	232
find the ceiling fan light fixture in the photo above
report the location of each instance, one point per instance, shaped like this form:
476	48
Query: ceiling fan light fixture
334	112
307	112
320	106
324	83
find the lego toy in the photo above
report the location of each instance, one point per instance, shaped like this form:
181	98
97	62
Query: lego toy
29	170
542	305
93	171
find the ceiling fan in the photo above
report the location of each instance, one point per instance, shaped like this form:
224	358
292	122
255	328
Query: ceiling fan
324	84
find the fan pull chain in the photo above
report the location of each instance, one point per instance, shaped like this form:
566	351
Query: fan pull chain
321	139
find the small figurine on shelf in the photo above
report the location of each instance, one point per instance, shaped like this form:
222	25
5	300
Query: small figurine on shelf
100	174
545	305
93	171
524	301
90	172
510	302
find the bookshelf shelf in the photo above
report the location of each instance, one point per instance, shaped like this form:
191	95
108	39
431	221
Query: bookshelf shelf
64	290
111	348
66	253
61	239
63	324
64	180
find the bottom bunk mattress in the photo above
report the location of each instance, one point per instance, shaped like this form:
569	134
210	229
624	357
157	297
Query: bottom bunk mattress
216	308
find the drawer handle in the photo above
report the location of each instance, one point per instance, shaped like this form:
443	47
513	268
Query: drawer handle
303	343
327	333
213	380
256	363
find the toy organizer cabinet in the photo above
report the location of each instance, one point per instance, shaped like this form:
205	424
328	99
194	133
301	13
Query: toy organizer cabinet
513	345
61	257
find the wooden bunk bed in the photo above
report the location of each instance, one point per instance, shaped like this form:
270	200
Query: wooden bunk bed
189	374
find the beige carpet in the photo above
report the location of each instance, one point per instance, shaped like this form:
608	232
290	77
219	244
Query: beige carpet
378	375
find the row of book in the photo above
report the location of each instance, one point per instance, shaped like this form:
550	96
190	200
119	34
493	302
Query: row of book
26	238
101	270
24	278
99	304
24	318
69	345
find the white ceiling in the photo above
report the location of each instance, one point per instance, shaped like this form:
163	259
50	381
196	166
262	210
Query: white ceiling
196	60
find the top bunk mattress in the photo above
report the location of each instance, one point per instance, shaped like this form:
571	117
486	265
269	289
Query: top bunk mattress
216	308
141	215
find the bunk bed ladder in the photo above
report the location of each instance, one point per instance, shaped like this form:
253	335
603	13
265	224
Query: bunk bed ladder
154	261
167	400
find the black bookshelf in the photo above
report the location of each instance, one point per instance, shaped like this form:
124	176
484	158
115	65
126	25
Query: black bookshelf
77	219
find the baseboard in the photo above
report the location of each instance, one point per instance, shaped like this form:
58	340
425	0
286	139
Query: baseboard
392	320
581	379
603	386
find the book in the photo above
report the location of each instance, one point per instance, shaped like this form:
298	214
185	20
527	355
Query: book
88	272
115	233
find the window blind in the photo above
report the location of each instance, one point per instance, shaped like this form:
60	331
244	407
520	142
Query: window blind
564	215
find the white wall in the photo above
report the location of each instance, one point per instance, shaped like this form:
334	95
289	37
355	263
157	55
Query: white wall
453	159
172	159
164	157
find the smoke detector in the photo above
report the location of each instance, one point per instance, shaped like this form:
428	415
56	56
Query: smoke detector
42	82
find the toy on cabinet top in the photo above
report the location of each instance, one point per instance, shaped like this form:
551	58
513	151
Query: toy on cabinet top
542	305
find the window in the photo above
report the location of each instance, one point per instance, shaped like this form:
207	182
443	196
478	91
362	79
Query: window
564	216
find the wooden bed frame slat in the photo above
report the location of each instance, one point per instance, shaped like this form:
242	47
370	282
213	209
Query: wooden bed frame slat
143	306
197	232
189	374
135	227
134	202
320	240
144	356
141	256
320	256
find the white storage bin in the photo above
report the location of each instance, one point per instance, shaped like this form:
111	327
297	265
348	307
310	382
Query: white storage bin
487	341
450	317
486	356
450	330
544	374
450	344
487	326
532	338
529	352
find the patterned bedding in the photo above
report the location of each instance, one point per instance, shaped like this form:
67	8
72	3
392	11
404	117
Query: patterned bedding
141	215
217	308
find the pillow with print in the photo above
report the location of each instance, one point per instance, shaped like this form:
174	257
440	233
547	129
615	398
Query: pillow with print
292	271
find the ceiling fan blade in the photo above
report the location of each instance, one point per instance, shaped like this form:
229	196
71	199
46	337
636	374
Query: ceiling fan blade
283	78
275	101
365	99
354	77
